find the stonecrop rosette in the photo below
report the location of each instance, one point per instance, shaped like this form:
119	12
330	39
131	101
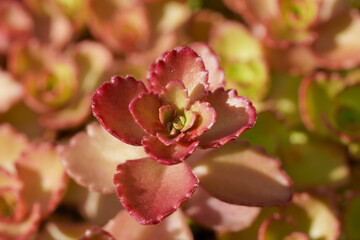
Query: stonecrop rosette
174	111
181	106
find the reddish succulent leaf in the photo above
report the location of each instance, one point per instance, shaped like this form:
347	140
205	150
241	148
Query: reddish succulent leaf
111	107
173	227
239	174
43	176
145	111
205	119
168	155
167	140
212	64
181	64
99	153
151	191
176	94
12	143
219	215
234	114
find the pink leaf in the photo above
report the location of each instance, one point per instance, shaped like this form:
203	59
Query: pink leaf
44	178
111	107
171	154
219	215
234	114
239	174
99	153
151	191
145	111
173	227
212	64
181	64
205	119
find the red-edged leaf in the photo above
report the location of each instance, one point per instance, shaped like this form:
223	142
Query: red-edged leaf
44	178
168	155
145	111
91	158
173	227
181	64
239	174
205	119
176	94
219	215
212	64
111	107
234	114
151	191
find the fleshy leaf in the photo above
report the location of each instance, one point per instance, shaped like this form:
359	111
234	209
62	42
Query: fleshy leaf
242	59
173	227
151	191
43	176
212	64
12	143
111	107
329	169
176	94
181	64
219	215
205	119
145	111
168	155
234	114
100	153
239	174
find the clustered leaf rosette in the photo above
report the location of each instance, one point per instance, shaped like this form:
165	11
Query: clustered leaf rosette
182	106
173	111
32	183
308	216
282	22
59	86
323	31
328	103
